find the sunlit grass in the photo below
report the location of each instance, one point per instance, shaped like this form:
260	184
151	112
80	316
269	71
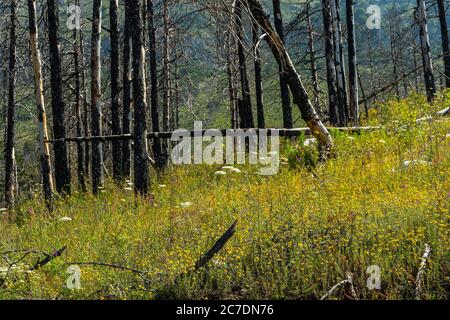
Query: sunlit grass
298	232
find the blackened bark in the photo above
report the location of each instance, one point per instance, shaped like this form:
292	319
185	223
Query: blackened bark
445	40
352	65
245	107
141	163
11	111
81	171
115	87
258	78
126	91
331	68
96	99
62	174
426	51
340	64
157	147
284	90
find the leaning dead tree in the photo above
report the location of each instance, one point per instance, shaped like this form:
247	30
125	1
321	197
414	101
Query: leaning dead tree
421	16
9	153
62	174
300	96
96	99
44	152
258	77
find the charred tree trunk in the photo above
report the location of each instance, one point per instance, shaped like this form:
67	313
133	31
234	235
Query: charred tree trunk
85	117
445	40
245	105
232	92
44	153
141	163
9	152
331	68
394	59
62	174
426	52
285	96
258	78
115	87
352	65
312	57
157	146
126	91
96	98
300	96
78	103
340	65
166	79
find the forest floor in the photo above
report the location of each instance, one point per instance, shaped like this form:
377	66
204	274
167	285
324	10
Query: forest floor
379	201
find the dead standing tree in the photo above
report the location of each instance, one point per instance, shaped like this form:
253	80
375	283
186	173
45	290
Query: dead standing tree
284	90
115	86
421	16
445	40
141	161
352	65
157	146
331	67
62	174
96	99
244	105
126	92
44	152
300	96
9	153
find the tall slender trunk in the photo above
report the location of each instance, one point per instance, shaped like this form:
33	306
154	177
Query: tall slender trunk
300	96
258	78
44	152
166	78
232	92
81	172
340	65
331	67
96	98
285	96
9	152
115	87
62	174
394	59
141	166
85	116
312	58
245	105
352	65
157	146
426	52
445	40
126	91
